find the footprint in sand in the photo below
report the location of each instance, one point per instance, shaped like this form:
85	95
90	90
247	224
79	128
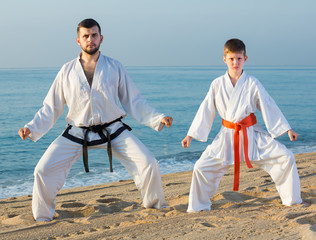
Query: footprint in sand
112	205
308	225
134	190
266	176
18	220
253	170
105	195
297	215
176	183
73	205
307	220
74	210
309	194
236	196
251	188
108	200
202	226
243	198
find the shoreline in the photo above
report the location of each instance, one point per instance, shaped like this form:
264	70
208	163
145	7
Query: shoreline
114	211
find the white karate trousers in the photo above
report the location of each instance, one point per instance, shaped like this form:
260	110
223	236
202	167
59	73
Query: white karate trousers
278	161
52	169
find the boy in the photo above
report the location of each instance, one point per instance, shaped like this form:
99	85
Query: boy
236	96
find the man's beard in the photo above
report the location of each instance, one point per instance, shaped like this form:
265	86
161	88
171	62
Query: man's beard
92	51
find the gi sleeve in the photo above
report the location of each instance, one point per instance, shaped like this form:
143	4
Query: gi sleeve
273	118
136	105
53	107
204	118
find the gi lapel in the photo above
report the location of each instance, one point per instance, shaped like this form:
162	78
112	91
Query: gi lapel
84	85
236	97
98	71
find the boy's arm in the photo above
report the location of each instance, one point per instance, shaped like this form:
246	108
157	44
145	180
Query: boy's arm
273	118
203	120
186	142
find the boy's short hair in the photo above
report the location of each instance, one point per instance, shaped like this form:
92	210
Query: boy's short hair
88	23
234	45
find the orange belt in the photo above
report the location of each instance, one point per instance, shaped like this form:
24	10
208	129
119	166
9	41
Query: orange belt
242	125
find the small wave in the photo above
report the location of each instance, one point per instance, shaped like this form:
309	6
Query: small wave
16	190
303	149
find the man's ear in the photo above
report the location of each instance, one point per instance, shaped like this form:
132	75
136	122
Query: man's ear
78	41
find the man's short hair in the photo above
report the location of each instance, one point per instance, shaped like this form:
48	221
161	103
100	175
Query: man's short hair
234	45
88	23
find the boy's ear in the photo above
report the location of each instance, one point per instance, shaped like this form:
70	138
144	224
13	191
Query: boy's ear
224	59
246	57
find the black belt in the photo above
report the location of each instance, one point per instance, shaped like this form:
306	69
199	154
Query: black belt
97	129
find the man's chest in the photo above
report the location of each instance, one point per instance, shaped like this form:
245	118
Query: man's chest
89	70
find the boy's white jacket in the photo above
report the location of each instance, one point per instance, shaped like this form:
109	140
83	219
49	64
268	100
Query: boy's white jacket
234	104
96	105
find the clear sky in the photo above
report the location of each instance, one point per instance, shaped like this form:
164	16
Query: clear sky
41	33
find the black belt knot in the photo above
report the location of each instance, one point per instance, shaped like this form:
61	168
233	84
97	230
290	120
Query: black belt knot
95	128
99	129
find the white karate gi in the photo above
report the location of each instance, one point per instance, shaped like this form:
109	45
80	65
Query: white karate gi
234	104
93	106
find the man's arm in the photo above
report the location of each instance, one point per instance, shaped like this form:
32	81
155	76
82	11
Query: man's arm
47	115
292	135
167	121
137	106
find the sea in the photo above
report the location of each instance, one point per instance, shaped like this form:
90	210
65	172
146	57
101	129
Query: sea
175	91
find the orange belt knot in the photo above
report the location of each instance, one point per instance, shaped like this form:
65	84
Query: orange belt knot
242	125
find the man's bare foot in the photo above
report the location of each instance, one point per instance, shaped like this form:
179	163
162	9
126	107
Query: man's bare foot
305	204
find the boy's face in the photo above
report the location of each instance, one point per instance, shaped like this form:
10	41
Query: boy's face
235	62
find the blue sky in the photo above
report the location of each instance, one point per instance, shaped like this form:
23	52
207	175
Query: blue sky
40	33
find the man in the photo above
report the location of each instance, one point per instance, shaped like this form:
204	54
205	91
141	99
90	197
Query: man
91	85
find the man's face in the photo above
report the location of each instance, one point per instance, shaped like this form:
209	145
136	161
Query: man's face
235	62
89	39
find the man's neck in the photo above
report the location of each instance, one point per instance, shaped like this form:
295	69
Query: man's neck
88	58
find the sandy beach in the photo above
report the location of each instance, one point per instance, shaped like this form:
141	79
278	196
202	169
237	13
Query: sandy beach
114	211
